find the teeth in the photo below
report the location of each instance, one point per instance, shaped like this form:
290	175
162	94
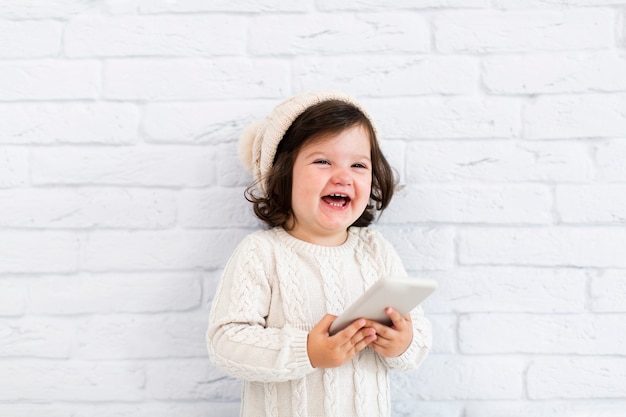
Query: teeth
337	199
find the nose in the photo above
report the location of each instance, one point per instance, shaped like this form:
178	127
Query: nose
341	176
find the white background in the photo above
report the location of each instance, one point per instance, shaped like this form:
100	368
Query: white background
121	192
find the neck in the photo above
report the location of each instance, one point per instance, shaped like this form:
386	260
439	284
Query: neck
331	239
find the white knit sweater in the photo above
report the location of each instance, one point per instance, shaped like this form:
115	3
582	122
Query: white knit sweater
274	289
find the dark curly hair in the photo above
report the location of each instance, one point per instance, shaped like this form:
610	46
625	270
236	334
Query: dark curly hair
327	117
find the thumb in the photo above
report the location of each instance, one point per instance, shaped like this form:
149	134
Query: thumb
324	324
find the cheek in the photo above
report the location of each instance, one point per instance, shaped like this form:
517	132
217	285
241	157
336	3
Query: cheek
365	186
301	195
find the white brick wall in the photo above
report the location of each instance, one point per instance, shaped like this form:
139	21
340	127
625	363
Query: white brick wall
121	196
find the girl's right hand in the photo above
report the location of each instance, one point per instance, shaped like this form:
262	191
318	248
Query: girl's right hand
326	351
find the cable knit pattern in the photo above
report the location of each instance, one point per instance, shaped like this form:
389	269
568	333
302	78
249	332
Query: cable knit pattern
334	285
384	405
334	290
299	397
330	401
274	289
359	384
370	265
291	287
271	399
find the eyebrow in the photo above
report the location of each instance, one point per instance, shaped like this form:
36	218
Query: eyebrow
315	153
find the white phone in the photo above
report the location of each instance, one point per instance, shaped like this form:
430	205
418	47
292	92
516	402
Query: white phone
402	294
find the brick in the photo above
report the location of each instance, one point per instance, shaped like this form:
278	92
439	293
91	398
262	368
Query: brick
508	290
188	122
13	297
78	381
610	156
581	334
141	336
422	248
42	9
576	378
555	408
445	118
50	80
29	410
38	251
14	168
215	208
383	5
36	337
607	292
28	39
554	246
575	116
555	73
230	170
120	7
165	166
219	78
245	6
162	251
209	284
455	377
388	75
445	329
190	380
621	37
87	208
184	35
522	204
52	123
338	33
108	293
524	4
395	152
477	31
491	161
598	203
143	409
417	408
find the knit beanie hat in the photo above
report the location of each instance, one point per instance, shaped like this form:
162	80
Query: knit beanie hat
258	142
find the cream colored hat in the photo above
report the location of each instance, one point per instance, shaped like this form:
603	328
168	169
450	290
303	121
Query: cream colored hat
258	142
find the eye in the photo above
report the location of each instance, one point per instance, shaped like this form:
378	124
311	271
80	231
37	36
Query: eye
321	161
359	165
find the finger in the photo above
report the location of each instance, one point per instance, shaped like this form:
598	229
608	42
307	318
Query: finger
379	327
359	337
368	337
396	317
349	332
324	324
378	345
380	342
364	334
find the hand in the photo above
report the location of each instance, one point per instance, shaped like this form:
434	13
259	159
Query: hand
392	340
326	351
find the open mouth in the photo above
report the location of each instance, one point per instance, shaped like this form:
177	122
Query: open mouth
336	200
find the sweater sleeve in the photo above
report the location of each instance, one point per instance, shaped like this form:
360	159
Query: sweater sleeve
422	332
419	347
238	341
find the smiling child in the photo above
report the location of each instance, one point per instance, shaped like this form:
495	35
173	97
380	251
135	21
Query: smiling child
320	177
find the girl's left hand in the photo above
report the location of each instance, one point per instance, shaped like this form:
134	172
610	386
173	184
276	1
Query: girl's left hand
392	340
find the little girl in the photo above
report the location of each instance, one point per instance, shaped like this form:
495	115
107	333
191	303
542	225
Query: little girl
319	178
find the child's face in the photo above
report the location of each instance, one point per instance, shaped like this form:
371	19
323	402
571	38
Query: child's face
332	180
